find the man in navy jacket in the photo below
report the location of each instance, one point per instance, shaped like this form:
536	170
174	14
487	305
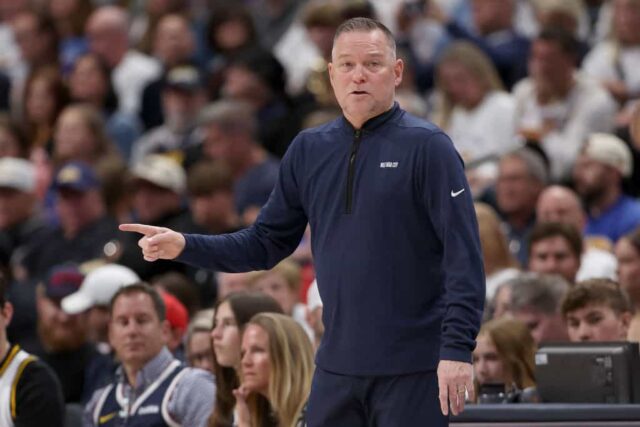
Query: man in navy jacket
395	244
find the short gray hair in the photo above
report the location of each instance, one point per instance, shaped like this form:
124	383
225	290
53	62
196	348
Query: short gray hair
230	116
541	292
534	163
365	25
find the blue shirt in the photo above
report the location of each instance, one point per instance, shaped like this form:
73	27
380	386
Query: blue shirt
621	218
394	239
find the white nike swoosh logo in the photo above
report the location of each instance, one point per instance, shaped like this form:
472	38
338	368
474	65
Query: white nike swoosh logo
456	193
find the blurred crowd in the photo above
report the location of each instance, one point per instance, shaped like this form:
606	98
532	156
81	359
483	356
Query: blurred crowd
176	113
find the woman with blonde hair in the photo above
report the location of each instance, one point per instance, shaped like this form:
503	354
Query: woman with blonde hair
471	104
499	264
504	354
277	367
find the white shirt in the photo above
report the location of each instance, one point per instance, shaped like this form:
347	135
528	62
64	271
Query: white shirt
130	77
608	61
488	129
588	108
596	263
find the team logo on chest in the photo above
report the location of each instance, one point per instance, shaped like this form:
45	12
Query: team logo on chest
386	165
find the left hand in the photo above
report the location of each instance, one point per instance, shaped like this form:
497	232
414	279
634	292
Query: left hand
454	380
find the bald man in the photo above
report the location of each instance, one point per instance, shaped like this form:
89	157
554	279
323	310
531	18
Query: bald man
108	32
561	204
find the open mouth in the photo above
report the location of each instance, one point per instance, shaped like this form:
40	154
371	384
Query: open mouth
358	92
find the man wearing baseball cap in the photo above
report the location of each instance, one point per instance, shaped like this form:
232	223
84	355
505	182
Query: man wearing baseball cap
21	228
159	184
604	162
84	226
94	296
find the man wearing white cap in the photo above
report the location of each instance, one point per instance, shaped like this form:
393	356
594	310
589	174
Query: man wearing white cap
20	226
95	294
159	184
604	162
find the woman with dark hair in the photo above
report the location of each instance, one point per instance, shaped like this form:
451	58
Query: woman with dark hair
45	96
277	367
90	82
231	315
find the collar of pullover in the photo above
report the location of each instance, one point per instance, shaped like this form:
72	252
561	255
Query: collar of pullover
376	121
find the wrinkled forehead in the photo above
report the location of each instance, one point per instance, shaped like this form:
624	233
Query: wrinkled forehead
370	42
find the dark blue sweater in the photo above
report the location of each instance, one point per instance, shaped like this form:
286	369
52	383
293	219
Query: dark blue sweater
397	256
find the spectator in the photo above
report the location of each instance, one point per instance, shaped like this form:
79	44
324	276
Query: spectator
597	310
229	283
604	162
535	301
277	366
183	97
230	31
500	305
230	135
84	226
13	141
494	34
174	45
522	174
256	77
273	18
505	355
231	315
36	36
614	61
80	136
178	321
211	200
561	204
555	248
199	348
282	283
94	296
569	15
475	110
21	228
181	287
64	338
69	18
33	396
556	107
627	252
45	95
90	82
158	187
180	395
499	264
107	31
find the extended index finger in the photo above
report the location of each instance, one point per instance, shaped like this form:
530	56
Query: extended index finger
147	230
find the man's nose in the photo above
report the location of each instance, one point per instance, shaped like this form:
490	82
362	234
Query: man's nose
359	75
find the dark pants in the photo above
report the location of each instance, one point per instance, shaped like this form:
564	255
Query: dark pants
386	401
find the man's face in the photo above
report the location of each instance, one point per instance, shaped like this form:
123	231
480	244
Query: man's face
31	40
589	178
549	66
15	207
491	15
151	202
74	209
544	327
626	20
181	108
628	268
553	255
364	74
58	330
516	190
275	285
560	207
135	332
6	312
597	322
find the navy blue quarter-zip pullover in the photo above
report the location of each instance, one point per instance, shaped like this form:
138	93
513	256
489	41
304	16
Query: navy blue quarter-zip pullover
394	239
